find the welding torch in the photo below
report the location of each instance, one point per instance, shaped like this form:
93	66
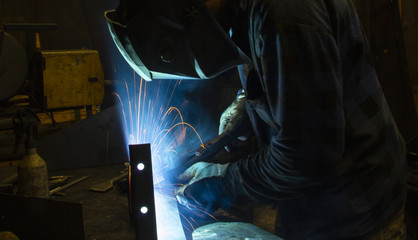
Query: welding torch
207	151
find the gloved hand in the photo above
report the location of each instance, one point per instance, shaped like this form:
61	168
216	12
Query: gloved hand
234	117
203	188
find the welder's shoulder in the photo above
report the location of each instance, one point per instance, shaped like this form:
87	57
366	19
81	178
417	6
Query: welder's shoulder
324	15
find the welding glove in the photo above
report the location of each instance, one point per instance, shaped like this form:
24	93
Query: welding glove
203	186
235	117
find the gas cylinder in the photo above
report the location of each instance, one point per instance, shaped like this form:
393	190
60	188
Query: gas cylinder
32	175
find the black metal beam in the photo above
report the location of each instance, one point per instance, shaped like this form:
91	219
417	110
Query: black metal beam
141	192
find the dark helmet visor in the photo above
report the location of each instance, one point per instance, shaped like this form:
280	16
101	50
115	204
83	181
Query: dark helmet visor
174	39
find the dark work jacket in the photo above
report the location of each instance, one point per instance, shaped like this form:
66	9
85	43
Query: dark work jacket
331	156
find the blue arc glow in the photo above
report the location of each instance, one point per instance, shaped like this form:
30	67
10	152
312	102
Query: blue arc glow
148	116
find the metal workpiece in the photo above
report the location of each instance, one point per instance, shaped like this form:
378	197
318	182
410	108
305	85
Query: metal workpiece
141	194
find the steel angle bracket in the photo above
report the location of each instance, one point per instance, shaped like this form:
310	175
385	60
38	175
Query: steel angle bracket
141	192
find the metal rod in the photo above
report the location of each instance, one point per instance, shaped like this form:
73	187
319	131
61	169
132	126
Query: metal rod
55	190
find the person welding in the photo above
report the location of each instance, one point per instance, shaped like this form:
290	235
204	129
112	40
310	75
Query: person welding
330	155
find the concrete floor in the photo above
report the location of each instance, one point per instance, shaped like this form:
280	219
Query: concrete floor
106	215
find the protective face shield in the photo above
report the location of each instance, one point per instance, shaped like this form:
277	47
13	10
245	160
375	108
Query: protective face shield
172	39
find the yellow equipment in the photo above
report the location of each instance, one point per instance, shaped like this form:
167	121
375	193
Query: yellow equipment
70	79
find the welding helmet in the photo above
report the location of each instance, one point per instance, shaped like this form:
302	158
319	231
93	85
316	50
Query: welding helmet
172	39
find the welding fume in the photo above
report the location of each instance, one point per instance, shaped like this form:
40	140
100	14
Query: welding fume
310	98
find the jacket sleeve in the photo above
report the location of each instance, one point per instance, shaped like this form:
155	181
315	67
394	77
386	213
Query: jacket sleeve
300	71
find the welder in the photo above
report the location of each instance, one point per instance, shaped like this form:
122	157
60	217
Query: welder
330	155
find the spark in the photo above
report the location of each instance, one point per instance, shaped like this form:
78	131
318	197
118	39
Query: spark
149	117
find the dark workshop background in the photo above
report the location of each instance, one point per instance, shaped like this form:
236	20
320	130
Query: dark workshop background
82	25
390	25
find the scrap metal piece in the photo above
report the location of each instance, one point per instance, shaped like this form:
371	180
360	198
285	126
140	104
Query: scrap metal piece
70	184
55	181
59	177
105	186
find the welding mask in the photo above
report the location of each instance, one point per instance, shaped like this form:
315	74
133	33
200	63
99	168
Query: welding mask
172	39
